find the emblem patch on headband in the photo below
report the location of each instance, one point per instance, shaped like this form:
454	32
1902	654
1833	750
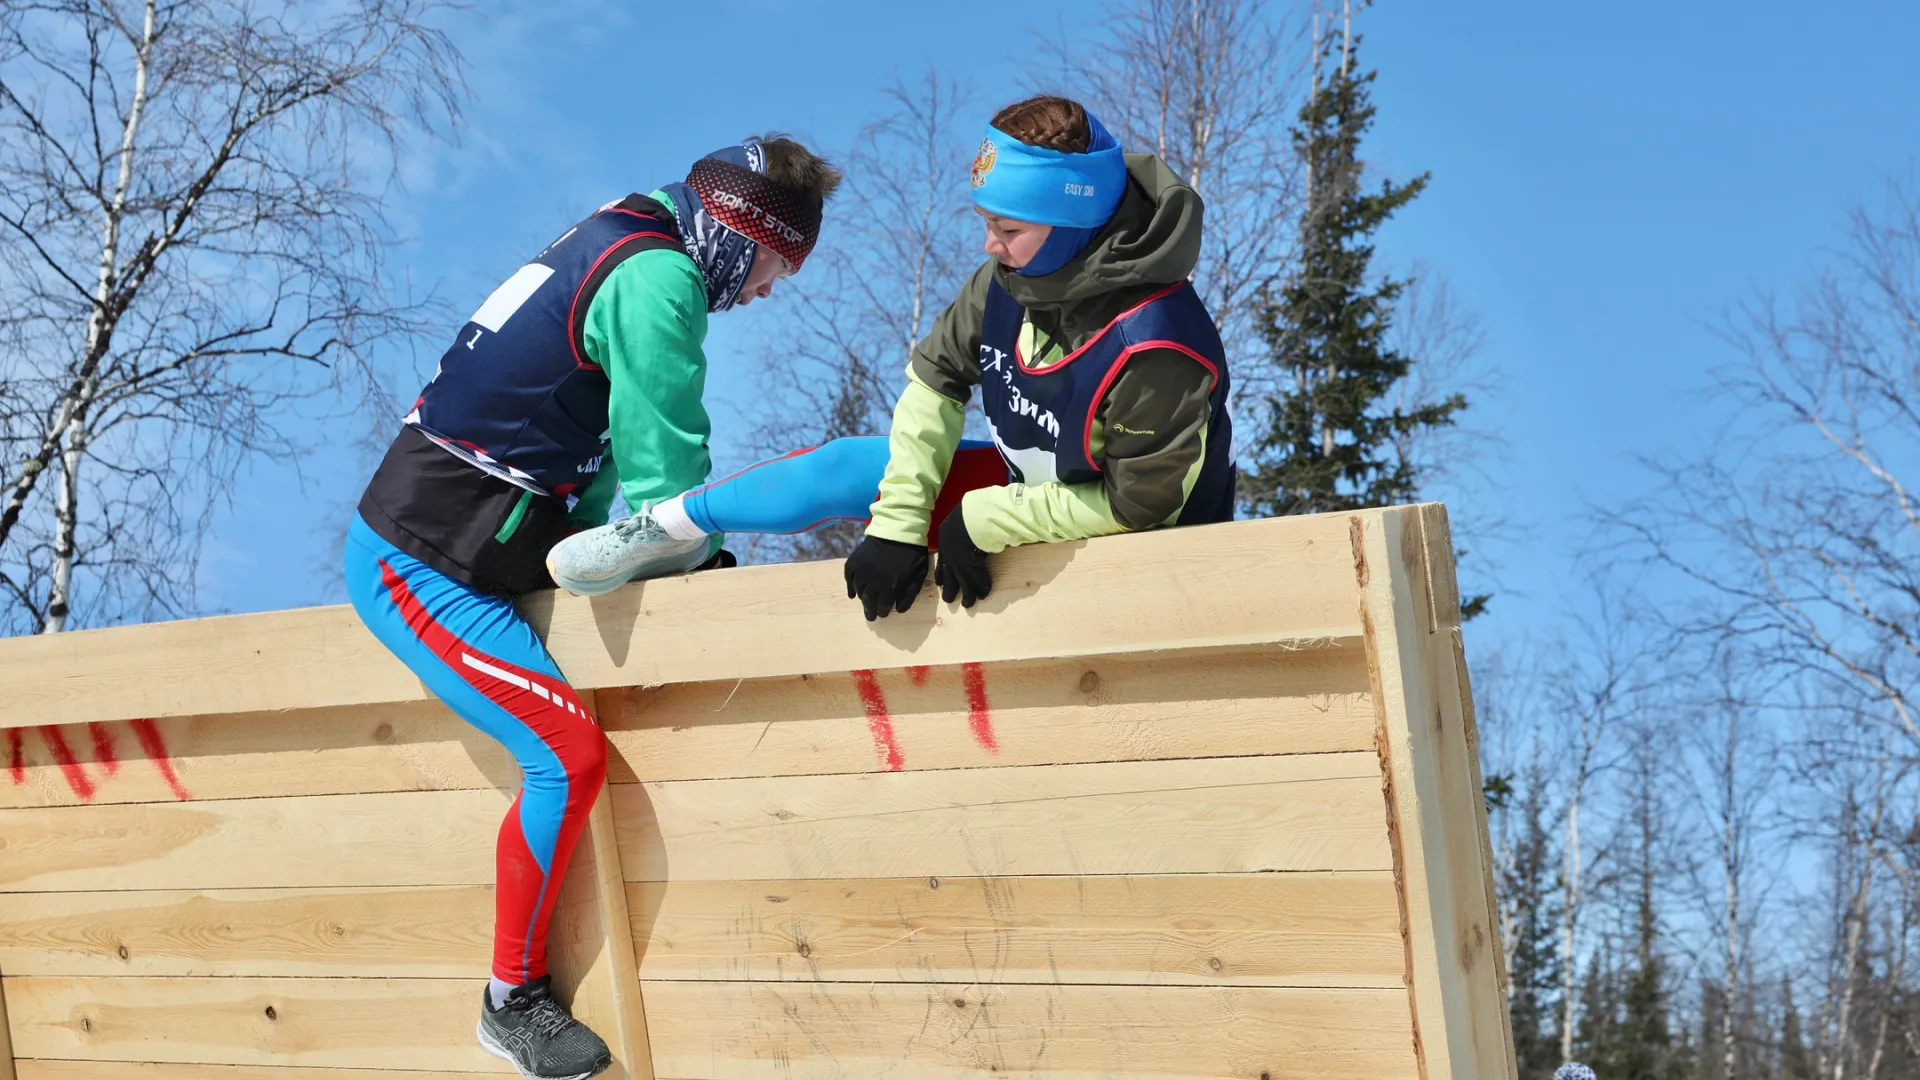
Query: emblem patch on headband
983	163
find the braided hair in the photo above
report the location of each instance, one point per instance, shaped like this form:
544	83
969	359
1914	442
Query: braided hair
1051	123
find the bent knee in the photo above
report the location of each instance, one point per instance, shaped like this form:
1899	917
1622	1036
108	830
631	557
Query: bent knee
588	760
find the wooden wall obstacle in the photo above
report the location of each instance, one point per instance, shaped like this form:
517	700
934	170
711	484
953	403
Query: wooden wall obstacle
1180	805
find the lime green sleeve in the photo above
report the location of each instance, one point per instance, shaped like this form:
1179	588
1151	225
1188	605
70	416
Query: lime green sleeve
647	326
1002	517
1008	516
925	433
1150	435
594	503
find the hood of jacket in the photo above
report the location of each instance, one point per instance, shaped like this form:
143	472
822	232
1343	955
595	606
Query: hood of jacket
1153	239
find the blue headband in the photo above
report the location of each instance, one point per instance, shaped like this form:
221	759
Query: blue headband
1050	187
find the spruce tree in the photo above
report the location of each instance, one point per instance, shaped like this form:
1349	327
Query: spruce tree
1330	444
1640	1044
1533	971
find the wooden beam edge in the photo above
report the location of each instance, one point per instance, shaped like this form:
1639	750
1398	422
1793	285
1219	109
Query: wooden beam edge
1455	987
6	1036
1271	582
1386	746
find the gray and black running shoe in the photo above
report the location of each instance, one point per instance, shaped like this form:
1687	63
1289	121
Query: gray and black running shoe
537	1034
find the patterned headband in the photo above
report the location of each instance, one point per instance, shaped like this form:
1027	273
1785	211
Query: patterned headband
757	208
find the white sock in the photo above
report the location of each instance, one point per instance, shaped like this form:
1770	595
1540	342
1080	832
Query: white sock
497	992
671	514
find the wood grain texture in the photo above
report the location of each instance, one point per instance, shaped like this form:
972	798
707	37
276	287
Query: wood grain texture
422	1024
6	1036
830	1031
1196	703
1412	627
1209	816
1339	930
751	622
410	838
1190	704
409	746
39	1069
590	949
367	933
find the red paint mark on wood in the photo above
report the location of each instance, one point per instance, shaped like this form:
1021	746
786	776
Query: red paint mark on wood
69	765
156	747
103	748
16	755
878	720
918	675
979	716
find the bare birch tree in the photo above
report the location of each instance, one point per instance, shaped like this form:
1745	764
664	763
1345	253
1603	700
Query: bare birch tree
1211	87
1800	528
898	244
1735	768
1591	698
1859	820
191	239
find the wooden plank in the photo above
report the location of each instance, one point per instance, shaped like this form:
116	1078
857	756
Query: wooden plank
752	622
422	1024
1438	814
1207	816
367	933
41	1069
6	1036
410	746
829	1031
1190	704
1338	930
590	948
402	838
1196	703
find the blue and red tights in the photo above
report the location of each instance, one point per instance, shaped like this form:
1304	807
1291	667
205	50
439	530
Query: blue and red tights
836	481
478	655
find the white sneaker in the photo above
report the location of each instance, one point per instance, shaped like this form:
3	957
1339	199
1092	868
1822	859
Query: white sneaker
601	560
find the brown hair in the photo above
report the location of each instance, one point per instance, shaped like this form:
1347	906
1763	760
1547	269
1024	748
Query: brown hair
1052	123
799	169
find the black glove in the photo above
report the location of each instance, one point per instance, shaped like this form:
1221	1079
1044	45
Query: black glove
963	566
722	560
885	575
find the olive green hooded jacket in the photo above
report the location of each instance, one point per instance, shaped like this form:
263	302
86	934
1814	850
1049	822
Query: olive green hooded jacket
1151	428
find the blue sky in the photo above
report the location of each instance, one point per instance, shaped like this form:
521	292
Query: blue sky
1607	179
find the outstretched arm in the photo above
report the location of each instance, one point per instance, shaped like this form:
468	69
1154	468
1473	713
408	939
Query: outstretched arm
929	416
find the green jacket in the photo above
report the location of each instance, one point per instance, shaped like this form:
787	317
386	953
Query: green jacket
1150	430
647	326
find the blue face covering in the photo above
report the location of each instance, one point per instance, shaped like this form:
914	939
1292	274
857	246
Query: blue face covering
1074	193
1058	250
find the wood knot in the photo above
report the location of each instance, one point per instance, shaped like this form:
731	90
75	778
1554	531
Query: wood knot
272	1014
1214	963
933	883
959	1003
122	950
383	733
339	931
1089	682
86	1023
785	815
805	950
